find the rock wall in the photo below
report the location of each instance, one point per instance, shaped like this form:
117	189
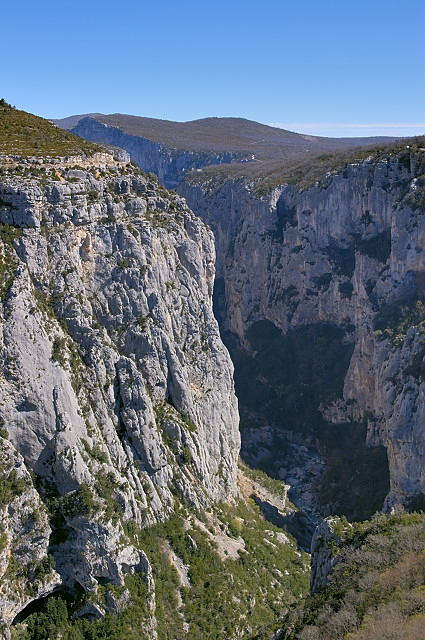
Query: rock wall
116	390
335	271
348	253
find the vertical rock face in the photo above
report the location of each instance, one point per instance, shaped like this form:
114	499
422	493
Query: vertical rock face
335	271
347	254
116	389
320	298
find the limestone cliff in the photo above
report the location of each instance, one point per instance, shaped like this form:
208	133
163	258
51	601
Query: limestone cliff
334	276
319	293
116	390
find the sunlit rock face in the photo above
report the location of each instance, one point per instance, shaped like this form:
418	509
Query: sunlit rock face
318	294
116	390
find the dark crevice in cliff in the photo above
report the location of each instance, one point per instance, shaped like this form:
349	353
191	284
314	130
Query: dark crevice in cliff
356	479
281	380
289	375
41	604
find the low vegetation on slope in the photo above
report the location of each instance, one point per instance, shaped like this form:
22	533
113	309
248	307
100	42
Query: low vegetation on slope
22	133
304	169
225	573
260	153
223	134
377	587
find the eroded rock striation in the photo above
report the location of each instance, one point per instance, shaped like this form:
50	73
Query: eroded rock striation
116	389
319	293
333	276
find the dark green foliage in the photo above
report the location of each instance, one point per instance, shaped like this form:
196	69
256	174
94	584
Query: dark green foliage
227	598
404	160
5	105
49	624
3	431
79	502
186	455
22	133
8	257
10	486
209	602
143	322
36	571
417	198
106	487
55	619
394	319
59	350
124	263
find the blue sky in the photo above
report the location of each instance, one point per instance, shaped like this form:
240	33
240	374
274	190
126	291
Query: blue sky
329	67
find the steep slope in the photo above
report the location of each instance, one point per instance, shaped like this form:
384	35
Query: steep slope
121	515
319	294
373	587
116	391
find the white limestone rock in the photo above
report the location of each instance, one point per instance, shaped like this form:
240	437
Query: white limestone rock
116	388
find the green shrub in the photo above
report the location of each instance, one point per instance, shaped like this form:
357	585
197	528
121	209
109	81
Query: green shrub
79	502
10	487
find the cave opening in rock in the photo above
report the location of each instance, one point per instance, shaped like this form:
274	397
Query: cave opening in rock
40	604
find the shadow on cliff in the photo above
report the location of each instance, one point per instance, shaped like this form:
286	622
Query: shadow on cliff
281	380
296	523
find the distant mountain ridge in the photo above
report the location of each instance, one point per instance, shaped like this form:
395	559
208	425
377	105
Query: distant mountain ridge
222	134
221	148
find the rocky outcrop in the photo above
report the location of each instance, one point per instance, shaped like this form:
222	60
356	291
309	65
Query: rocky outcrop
26	568
326	550
117	392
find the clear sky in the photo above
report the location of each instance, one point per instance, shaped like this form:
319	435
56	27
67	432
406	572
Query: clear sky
326	67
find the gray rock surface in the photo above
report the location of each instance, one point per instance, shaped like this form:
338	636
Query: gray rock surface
117	392
348	252
325	551
341	253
